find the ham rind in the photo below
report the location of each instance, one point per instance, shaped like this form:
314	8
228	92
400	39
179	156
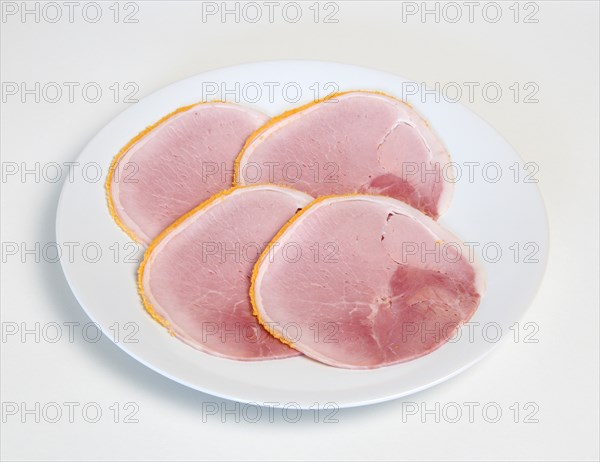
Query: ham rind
365	281
177	163
352	142
195	276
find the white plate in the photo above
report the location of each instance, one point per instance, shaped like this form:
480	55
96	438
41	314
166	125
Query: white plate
504	212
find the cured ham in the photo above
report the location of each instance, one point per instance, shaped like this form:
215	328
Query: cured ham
175	164
357	141
195	276
363	281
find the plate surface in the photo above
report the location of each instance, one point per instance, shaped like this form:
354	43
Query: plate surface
496	208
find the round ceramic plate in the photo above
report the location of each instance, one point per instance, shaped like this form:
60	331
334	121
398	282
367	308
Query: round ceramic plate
496	208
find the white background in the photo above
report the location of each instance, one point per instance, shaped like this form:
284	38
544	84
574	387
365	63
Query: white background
559	374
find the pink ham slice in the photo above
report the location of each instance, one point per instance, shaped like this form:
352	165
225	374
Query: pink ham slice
353	142
177	164
195	276
352	282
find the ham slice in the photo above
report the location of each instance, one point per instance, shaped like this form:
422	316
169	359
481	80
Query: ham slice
195	276
351	142
356	282
175	164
